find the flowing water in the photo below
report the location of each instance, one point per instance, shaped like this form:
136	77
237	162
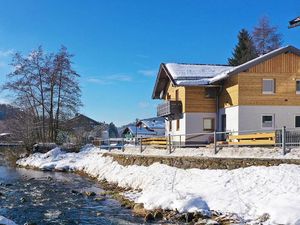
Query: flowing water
54	198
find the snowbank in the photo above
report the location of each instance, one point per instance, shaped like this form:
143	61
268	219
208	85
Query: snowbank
249	192
5	221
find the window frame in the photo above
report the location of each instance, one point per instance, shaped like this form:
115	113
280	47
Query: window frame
212	123
298	115
297	91
273	121
268	92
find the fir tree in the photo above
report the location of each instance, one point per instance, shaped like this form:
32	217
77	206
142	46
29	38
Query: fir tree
113	131
266	37
244	50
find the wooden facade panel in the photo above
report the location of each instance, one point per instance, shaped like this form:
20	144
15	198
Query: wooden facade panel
171	94
284	63
196	101
251	89
230	92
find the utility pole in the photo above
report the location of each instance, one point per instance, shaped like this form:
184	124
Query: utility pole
294	23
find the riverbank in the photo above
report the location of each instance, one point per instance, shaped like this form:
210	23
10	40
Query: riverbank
252	194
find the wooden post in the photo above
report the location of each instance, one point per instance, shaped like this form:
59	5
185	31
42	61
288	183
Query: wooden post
215	142
283	139
123	147
170	146
141	145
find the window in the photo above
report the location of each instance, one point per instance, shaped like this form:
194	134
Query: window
267	121
170	125
297	121
208	124
177	124
298	86
268	86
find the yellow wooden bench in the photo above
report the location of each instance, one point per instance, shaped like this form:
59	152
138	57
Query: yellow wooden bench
253	139
155	141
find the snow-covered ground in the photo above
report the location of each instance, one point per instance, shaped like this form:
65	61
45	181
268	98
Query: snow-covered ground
248	192
232	152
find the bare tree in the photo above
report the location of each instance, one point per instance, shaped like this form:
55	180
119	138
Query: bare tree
266	37
46	87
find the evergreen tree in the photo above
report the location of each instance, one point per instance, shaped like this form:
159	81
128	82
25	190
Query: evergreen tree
113	131
266	37
244	50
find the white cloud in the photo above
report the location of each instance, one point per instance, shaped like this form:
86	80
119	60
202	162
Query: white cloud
147	73
110	79
6	53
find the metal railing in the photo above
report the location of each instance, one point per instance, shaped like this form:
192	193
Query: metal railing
284	138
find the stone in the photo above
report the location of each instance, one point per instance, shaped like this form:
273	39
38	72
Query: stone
189	217
206	222
149	217
99	199
138	209
90	193
158	215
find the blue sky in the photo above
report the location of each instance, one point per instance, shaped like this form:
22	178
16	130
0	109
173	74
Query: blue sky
118	44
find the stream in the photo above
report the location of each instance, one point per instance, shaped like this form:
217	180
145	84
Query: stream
37	197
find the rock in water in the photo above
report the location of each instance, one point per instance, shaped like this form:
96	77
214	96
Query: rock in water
149	217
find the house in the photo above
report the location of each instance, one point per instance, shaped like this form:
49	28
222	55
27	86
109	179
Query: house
145	128
262	94
156	124
82	129
132	131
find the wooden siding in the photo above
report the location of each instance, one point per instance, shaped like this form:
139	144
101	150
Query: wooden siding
193	99
284	69
171	94
250	89
230	92
283	63
196	101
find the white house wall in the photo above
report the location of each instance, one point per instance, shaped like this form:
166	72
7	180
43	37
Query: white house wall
232	118
250	116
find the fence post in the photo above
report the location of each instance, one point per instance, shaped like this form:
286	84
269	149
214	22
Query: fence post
141	145
180	141
215	142
123	147
170	146
108	144
283	138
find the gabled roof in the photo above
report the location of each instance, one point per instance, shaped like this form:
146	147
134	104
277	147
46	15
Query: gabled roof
154	123
139	130
180	74
256	61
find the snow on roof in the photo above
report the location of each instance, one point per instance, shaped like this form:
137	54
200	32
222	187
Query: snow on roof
195	74
254	62
154	123
140	130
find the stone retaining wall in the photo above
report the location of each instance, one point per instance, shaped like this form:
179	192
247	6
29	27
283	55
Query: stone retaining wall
185	162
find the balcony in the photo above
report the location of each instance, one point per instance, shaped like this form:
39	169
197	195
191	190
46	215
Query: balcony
170	109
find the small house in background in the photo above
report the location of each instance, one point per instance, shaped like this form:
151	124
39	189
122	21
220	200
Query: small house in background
156	124
83	129
145	128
